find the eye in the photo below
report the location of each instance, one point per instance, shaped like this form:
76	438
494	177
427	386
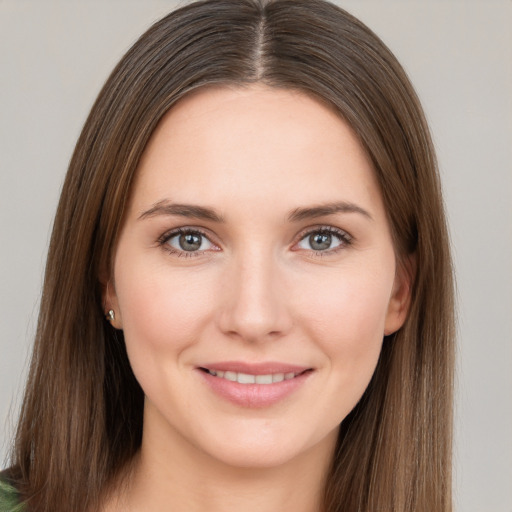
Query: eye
324	240
187	241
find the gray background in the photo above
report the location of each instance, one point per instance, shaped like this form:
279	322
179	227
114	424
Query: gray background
54	57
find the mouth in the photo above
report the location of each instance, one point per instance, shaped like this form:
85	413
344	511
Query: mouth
254	385
249	378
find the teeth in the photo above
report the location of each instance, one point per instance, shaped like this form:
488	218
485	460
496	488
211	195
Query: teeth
246	378
263	379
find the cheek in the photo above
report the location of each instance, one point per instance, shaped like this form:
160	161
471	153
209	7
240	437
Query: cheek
346	317
162	312
347	324
348	304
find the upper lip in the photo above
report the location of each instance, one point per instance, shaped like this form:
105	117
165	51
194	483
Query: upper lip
262	368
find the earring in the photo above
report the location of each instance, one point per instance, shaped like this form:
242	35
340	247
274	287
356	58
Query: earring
111	315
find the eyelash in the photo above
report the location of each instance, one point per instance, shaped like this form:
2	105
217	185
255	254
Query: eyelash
344	238
162	242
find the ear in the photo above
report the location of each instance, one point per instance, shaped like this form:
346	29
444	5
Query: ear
400	300
110	302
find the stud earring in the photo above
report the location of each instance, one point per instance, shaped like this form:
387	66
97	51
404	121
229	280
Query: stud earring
111	315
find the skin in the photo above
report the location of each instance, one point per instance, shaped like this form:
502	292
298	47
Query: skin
255	291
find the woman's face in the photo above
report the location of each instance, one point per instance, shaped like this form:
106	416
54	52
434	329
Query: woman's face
254	277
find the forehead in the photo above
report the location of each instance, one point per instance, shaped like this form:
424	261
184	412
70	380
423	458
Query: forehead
258	143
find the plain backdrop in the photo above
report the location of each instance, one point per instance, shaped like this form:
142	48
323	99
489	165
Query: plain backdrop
54	57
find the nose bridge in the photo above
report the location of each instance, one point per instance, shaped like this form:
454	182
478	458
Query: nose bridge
256	308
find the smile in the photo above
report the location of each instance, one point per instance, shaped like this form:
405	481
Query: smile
247	378
254	385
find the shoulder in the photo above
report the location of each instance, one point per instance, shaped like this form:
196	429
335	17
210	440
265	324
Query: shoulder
9	499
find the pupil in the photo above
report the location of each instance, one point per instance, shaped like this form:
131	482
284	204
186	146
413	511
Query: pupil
320	241
190	242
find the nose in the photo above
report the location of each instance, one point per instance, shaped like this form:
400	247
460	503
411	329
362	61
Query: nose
255	306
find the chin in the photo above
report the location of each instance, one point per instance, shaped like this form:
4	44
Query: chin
265	449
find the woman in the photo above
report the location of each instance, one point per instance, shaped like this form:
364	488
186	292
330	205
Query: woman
248	298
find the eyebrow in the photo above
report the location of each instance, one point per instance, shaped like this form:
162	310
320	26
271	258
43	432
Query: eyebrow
322	210
165	207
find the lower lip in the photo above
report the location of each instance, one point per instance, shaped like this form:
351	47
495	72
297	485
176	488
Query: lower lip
254	395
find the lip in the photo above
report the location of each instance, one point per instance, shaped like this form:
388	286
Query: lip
254	395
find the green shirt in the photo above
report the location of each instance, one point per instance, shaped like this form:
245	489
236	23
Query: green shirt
9	499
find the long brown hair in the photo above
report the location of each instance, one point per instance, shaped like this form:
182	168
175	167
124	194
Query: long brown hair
81	420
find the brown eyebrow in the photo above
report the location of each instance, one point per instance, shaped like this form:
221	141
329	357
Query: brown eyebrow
184	210
326	209
165	207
